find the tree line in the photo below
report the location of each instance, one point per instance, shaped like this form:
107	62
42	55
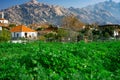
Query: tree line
72	29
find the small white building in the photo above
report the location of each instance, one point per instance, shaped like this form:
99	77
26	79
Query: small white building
22	31
3	20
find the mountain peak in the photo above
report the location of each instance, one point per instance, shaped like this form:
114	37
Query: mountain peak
35	12
34	1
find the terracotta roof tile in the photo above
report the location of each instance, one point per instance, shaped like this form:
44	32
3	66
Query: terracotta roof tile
21	28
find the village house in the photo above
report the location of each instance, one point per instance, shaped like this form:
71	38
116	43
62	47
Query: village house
117	33
114	28
3	20
23	31
3	23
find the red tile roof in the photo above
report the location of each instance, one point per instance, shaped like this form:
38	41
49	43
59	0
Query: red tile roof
21	28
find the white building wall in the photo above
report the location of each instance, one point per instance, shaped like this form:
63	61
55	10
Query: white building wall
4	21
0	28
1	21
16	34
116	33
32	34
12	34
22	34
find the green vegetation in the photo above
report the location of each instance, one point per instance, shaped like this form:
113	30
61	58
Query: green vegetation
5	35
60	61
12	25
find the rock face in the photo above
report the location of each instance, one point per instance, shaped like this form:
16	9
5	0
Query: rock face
35	12
101	13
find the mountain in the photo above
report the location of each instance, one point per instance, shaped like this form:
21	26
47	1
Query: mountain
34	12
102	13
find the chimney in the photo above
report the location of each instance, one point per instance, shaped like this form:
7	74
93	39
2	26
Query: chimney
3	15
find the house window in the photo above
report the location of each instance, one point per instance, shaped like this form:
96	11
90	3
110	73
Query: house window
25	35
17	35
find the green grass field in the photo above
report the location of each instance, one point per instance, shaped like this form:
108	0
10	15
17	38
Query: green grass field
60	61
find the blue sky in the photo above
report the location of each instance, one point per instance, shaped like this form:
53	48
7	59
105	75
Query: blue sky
65	3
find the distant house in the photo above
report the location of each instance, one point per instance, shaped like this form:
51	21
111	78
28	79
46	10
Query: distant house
47	30
117	33
113	27
22	31
3	23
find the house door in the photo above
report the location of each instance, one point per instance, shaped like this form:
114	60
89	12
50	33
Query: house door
25	35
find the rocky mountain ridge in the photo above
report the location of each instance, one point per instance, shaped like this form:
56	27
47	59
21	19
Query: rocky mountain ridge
34	12
102	13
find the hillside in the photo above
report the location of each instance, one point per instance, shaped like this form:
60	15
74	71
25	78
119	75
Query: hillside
102	13
34	12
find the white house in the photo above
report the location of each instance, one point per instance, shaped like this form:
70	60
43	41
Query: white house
22	31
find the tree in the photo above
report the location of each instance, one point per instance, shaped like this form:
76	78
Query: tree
71	22
61	34
51	36
12	25
107	32
96	34
4	35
